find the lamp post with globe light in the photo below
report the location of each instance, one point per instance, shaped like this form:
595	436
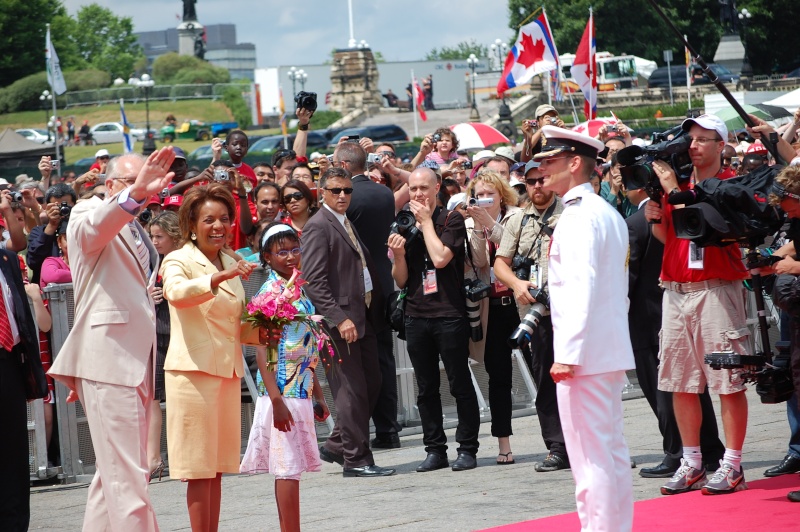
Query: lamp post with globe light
146	83
499	49
744	19
472	63
297	75
47	100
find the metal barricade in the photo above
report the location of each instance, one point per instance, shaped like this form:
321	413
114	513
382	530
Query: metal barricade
77	454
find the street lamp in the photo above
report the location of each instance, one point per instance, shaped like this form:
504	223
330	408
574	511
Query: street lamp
149	145
744	19
297	75
499	49
47	101
472	63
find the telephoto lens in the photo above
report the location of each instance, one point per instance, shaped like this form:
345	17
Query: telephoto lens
522	335
474	318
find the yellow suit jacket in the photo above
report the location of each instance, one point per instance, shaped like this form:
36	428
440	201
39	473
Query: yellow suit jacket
206	326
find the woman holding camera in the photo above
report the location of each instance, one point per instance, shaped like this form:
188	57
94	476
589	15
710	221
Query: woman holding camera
298	204
490	202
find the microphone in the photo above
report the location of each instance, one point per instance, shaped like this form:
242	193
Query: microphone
687	197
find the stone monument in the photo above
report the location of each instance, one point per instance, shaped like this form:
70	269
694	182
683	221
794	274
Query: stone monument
354	81
190	31
730	51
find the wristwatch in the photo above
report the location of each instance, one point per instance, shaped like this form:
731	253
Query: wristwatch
302	127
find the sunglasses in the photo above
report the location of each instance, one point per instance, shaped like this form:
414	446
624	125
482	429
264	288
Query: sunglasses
294	196
386	153
535	181
336	190
284	254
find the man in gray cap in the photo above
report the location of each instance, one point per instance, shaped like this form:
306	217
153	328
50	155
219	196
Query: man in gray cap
521	264
545	115
588	281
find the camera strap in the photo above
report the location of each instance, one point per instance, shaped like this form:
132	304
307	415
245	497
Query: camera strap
542	226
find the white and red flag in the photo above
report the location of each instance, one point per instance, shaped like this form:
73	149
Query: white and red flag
584	69
533	53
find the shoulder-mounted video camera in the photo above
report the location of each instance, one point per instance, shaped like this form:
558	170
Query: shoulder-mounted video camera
636	163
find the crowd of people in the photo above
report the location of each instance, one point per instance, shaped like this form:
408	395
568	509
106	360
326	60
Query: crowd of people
507	249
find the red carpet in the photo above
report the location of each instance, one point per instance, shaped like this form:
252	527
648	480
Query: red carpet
762	508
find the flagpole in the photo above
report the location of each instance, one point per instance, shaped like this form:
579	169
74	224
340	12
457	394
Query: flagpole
688	78
592	66
51	79
414	102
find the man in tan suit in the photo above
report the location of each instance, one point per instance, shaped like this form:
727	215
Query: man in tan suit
107	359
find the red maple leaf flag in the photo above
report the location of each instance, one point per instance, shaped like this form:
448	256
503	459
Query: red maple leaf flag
533	53
584	69
419	98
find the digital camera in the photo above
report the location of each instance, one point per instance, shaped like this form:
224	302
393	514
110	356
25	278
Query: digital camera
481	202
521	266
306	100
64	209
221	174
405	225
475	289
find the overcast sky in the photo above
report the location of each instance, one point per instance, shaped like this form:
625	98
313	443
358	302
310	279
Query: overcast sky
301	32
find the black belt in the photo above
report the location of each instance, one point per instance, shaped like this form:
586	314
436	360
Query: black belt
502	301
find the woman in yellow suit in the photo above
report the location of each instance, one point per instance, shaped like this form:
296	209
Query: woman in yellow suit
204	361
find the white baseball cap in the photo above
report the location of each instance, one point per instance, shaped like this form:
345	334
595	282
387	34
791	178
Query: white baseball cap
710	122
102	153
483	154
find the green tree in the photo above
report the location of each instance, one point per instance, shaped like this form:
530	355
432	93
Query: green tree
205	74
629	26
460	51
23	27
771	43
105	41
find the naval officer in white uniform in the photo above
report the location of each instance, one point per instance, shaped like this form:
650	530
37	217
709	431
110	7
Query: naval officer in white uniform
588	281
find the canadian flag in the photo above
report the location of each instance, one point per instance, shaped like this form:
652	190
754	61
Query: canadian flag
584	69
532	54
419	98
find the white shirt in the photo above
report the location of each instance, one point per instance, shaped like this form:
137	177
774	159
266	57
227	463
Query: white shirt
588	281
338	216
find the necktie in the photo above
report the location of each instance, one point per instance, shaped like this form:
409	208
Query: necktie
349	229
6	339
141	250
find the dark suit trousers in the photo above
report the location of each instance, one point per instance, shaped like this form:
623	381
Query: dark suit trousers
355	384
428	338
661	403
541	360
384	416
15	511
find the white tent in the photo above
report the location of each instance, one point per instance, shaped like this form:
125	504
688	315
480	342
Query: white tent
789	101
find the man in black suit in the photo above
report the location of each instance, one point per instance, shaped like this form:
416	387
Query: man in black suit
372	212
18	340
340	274
644	319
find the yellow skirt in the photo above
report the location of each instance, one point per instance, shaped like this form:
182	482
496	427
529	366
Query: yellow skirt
204	424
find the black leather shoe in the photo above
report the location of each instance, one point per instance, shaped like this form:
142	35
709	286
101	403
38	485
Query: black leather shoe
385	441
465	461
793	496
368	471
662	470
330	457
553	462
433	462
789	464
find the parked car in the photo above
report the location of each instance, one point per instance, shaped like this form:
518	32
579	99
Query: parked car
201	156
39	136
196	130
112	132
660	76
385	133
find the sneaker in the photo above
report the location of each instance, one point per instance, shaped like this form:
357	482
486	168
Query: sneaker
686	478
725	480
553	462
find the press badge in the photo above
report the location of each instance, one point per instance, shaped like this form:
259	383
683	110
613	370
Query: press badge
367	281
695	257
429	285
498	285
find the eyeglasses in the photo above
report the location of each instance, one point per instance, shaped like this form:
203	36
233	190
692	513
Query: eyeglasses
336	190
128	180
284	253
702	140
294	196
387	153
535	181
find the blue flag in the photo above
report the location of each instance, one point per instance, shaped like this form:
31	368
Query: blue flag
127	141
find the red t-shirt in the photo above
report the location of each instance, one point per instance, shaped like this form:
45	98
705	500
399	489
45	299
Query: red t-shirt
726	173
247	171
718	262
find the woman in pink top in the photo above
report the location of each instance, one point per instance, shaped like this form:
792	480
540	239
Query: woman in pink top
56	269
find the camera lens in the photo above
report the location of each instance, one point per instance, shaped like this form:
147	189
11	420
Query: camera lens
16	196
522	335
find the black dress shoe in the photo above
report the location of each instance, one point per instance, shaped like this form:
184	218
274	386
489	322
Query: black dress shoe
368	471
789	464
433	462
385	441
793	496
553	462
662	470
465	461
330	456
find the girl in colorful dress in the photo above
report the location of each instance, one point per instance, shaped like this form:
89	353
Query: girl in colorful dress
283	438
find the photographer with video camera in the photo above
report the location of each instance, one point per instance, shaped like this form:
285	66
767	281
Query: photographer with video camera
432	269
490	304
786	295
521	265
703	312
